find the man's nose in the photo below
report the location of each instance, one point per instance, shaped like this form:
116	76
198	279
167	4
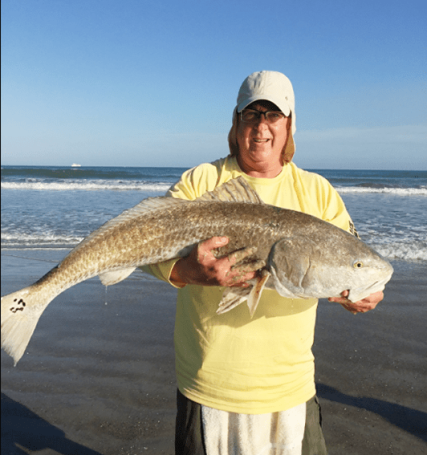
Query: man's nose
261	121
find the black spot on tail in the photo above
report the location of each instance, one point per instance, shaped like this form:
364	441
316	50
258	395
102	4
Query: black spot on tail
20	306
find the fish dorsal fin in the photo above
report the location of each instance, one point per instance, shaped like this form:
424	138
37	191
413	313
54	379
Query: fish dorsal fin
236	190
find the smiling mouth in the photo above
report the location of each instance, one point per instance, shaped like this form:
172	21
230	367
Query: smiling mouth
261	140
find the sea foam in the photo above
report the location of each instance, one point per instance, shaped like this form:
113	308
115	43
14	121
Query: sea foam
91	185
383	190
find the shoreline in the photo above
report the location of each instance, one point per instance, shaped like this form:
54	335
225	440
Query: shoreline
371	371
98	376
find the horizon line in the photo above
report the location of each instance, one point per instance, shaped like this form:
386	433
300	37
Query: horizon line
189	167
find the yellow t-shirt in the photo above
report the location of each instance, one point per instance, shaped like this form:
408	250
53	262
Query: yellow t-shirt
230	361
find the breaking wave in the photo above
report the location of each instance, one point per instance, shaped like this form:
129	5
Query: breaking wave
162	187
364	189
86	185
416	251
395	250
32	241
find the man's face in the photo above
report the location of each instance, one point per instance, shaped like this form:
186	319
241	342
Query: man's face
261	141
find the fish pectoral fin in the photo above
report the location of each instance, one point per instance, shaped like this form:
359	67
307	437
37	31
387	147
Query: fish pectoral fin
110	278
231	298
234	296
256	292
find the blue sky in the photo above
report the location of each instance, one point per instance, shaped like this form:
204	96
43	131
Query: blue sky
154	83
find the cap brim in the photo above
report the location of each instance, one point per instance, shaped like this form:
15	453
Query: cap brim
282	106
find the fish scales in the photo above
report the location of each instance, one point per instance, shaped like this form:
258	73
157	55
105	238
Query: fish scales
155	238
303	255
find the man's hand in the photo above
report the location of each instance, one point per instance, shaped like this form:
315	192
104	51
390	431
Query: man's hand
203	268
362	306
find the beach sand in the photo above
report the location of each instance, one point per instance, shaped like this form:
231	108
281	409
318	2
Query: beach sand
98	375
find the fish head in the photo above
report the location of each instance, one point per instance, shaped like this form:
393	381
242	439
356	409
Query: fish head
322	268
365	273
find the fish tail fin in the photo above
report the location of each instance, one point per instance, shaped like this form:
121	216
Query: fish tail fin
20	312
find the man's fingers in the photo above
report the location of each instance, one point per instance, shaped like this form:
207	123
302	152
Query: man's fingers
241	279
239	255
226	271
204	249
214	242
249	267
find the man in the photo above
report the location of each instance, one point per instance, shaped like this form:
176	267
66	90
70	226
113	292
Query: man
246	386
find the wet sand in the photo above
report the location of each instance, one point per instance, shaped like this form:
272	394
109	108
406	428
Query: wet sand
98	375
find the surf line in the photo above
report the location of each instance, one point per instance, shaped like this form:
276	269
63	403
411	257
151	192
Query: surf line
30	259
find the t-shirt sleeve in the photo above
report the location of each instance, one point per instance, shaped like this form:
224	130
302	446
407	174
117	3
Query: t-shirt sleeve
162	271
334	209
195	182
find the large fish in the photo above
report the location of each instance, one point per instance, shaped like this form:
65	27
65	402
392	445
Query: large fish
303	256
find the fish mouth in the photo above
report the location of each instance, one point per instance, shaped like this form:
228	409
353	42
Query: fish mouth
361	293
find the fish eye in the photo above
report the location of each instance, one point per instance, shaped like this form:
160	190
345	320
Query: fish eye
358	265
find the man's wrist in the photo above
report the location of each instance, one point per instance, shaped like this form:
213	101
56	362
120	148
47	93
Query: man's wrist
175	276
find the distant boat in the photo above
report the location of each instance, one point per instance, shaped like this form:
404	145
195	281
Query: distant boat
76	165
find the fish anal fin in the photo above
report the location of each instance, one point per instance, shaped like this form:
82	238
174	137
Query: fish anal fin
235	190
114	277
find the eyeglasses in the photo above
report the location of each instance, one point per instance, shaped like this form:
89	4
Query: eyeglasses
253	116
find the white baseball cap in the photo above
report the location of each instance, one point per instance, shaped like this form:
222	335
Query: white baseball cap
270	86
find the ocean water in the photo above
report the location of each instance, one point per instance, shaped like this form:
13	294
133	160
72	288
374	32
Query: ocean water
56	207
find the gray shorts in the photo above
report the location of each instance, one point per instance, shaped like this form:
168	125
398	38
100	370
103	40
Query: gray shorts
189	429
